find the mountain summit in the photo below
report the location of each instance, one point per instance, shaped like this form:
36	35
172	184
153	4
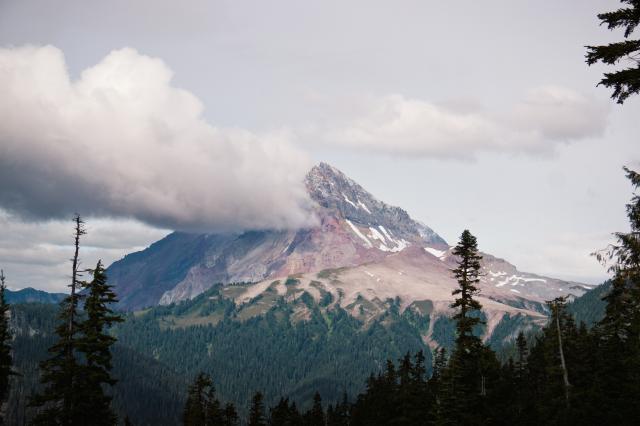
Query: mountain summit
361	255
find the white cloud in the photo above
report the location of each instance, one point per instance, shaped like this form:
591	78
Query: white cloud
122	141
37	253
397	125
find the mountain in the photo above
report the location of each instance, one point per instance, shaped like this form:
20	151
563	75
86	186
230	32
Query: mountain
29	294
362	254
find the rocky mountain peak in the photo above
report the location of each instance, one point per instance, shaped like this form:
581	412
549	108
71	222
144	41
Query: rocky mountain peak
344	198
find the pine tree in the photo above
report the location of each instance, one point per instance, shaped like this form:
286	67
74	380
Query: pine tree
213	412
468	276
95	346
551	366
230	415
625	82
315	415
342	412
280	414
520	375
618	333
473	368
195	410
59	400
256	413
523	352
558	307
5	345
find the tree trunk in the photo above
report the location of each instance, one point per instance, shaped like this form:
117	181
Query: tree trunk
565	374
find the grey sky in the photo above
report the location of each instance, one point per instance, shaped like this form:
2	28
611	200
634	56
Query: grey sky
312	72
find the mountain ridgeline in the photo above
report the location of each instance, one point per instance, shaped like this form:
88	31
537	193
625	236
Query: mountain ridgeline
362	254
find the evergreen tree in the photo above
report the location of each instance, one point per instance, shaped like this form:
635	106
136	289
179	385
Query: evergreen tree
203	408
215	416
285	414
5	345
520	376
58	402
256	413
468	276
315	415
95	346
230	415
339	416
279	415
558	307
472	369
625	82
550	367
618	333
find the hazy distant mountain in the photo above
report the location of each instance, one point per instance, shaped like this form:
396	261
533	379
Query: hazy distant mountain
29	294
362	253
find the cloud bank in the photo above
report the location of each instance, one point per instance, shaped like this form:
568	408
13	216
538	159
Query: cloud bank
121	141
545	118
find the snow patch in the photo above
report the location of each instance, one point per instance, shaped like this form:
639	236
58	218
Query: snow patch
437	253
376	235
384	231
361	204
359	234
348	200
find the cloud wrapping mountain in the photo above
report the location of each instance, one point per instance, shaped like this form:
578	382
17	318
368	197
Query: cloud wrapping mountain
121	141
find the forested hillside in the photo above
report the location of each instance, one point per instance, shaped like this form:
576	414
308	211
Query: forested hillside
161	349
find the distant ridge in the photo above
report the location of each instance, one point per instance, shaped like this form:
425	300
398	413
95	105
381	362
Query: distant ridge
31	295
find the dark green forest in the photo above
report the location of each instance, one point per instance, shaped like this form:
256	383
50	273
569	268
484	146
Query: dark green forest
152	357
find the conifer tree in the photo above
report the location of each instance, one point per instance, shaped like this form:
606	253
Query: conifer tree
230	415
280	415
558	307
200	400
468	276
618	333
341	413
57	403
625	82
473	367
5	346
520	375
315	415
523	351
256	413
95	345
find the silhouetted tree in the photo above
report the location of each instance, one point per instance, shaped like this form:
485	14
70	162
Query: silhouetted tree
95	344
58	401
625	82
5	346
472	369
256	412
315	415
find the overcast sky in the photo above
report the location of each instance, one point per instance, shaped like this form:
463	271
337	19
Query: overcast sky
149	116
